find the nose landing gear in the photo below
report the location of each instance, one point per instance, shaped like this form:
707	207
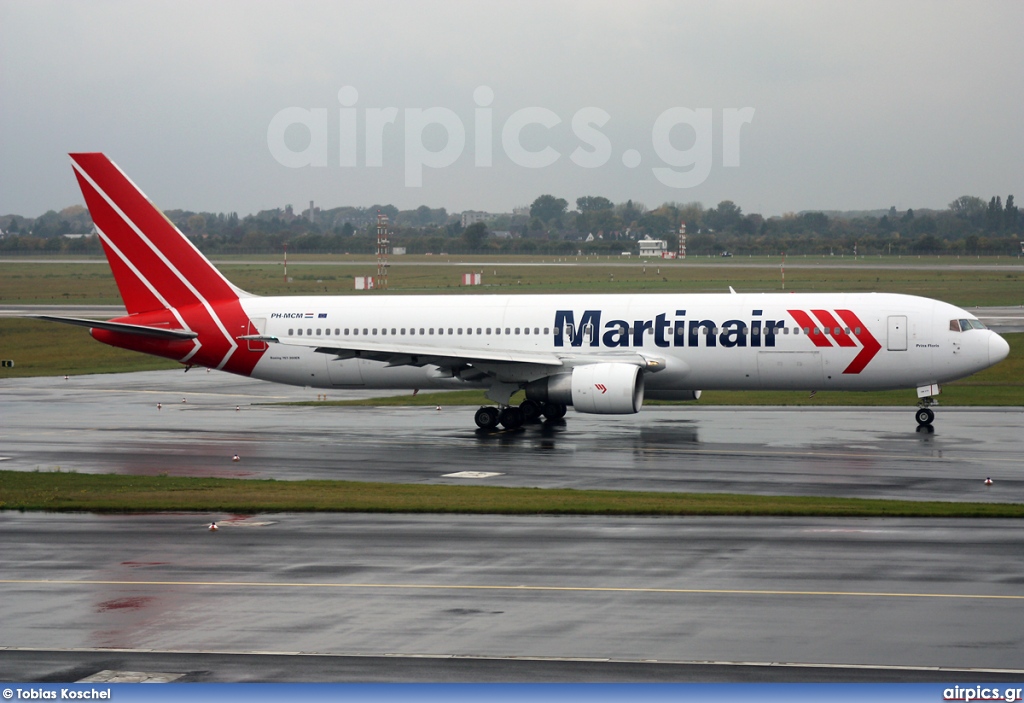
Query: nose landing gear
925	415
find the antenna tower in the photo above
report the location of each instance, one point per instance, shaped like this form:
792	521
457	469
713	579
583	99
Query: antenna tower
382	251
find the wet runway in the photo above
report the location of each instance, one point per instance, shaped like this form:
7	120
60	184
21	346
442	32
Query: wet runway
111	424
489	598
478	598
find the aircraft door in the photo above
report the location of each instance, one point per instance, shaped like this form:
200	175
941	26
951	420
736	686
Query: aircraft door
897	333
257	326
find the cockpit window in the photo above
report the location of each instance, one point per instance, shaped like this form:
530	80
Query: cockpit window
964	325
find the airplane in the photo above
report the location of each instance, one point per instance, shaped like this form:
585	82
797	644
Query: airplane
600	354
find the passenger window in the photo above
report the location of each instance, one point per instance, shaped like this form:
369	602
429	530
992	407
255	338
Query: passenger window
517	330
449	330
374	330
291	331
309	331
327	332
478	330
346	331
317	331
547	330
508	330
488	330
392	330
383	330
526	330
460	330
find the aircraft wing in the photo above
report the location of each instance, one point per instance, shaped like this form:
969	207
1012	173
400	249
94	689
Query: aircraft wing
411	354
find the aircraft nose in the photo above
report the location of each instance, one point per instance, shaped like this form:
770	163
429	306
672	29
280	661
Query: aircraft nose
998	349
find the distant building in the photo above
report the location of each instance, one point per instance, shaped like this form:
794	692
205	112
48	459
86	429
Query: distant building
470	217
523	210
652	247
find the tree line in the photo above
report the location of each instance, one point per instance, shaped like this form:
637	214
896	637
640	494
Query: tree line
969	226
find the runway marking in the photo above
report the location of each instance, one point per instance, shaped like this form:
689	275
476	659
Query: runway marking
472	474
189	393
514	658
114	676
522	587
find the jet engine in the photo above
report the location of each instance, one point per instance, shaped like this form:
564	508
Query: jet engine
602	389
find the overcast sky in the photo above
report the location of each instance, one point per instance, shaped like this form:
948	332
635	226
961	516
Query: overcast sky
237	106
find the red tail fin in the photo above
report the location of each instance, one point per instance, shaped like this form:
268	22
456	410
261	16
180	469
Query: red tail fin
164	280
148	254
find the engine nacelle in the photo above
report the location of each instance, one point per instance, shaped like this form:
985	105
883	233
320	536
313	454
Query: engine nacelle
602	389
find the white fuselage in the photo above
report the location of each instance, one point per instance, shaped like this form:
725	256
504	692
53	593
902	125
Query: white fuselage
853	341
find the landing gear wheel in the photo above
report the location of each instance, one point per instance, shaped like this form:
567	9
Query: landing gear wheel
554	411
487	418
511	418
924	416
531	411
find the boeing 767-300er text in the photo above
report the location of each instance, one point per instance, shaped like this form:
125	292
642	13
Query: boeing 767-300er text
597	353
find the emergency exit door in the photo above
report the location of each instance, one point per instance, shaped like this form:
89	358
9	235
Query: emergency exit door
897	333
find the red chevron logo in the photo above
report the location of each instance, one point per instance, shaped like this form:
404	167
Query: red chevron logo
601	387
828	330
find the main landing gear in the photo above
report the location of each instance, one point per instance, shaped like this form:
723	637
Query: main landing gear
512	417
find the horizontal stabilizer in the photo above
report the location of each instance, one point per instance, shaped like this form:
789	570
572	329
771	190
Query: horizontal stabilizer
122	327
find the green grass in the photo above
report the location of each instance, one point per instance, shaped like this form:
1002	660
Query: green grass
117	493
92	283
